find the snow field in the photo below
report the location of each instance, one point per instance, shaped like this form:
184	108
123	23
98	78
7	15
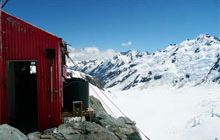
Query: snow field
189	113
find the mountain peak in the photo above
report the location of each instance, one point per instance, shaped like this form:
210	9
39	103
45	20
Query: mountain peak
202	39
206	39
126	52
204	36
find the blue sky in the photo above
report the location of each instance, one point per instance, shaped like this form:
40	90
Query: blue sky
121	24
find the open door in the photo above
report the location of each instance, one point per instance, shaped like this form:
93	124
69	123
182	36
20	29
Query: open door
22	95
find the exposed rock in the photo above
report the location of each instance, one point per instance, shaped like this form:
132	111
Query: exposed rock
95	104
156	77
95	131
104	127
10	133
145	79
34	136
197	50
94	81
122	127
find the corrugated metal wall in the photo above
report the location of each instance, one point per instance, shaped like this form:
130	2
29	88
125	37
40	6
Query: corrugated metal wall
22	41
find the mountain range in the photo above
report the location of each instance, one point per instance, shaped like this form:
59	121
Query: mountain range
192	62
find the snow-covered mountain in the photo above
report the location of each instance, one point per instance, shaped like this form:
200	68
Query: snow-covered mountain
147	80
192	62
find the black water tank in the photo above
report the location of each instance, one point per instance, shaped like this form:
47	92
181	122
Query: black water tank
75	89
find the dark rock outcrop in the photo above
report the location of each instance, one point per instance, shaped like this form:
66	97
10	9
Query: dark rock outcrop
104	127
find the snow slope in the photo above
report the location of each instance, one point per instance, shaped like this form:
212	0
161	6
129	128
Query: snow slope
192	62
189	113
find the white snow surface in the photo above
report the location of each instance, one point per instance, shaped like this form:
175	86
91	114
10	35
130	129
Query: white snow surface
164	113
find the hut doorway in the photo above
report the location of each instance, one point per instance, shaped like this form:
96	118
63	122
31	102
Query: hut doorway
22	95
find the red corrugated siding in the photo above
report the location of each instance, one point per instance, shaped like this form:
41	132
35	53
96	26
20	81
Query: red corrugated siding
22	41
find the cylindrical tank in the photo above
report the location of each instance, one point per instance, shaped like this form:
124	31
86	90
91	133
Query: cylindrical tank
75	89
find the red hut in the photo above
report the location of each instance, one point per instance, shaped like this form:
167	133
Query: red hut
31	75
